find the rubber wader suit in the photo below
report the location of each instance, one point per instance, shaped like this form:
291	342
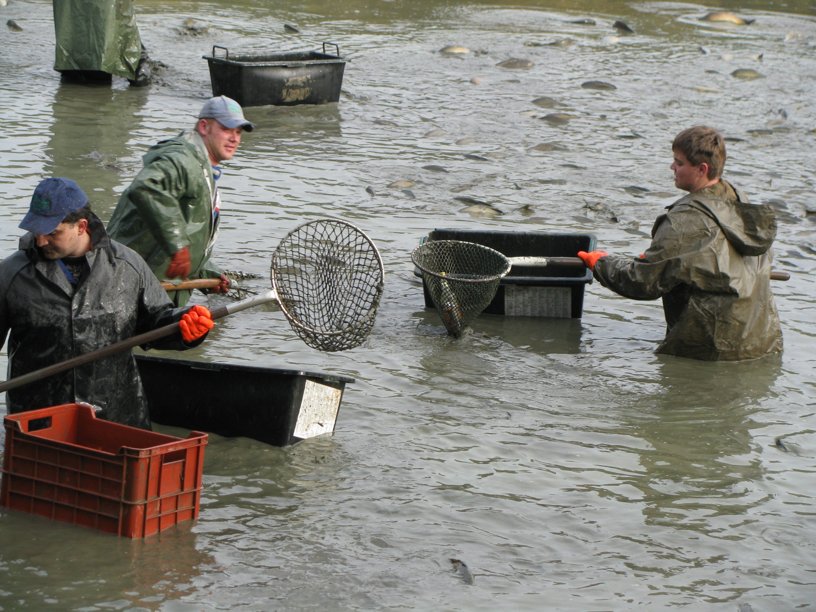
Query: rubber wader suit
169	205
710	261
95	38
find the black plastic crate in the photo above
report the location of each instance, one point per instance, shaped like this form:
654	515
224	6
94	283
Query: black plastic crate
531	291
273	405
282	79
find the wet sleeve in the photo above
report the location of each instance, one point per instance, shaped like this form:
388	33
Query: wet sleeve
682	252
155	193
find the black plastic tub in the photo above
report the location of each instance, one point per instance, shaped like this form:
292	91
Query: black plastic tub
276	406
553	291
282	79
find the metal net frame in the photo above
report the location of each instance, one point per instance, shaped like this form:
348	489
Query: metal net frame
461	278
328	277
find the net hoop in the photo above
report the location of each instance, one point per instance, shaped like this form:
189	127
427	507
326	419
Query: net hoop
329	278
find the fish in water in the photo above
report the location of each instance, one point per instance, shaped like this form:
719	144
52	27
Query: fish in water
435	133
478	208
454	50
545	102
401	184
600	85
434	168
787	447
193	27
726	17
557	118
462	570
746	73
515	63
547	147
290	29
622	26
13	26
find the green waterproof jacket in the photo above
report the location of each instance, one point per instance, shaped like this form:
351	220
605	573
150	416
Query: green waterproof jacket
97	35
171	204
710	262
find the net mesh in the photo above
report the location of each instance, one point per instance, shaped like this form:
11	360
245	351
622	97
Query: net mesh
461	278
328	277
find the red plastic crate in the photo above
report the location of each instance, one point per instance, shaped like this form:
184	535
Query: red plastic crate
65	464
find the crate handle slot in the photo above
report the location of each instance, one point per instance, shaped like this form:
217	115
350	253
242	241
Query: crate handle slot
224	49
41	423
331	44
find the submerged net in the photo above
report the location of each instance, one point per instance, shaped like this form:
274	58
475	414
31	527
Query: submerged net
328	277
461	278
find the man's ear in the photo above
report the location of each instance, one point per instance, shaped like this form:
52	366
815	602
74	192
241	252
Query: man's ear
82	226
703	169
201	126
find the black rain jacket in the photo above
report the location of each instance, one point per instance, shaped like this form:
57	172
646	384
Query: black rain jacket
49	322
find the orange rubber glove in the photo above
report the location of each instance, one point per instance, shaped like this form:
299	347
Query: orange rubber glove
591	258
224	285
180	265
195	323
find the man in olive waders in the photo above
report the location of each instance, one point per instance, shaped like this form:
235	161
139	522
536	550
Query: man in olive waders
97	39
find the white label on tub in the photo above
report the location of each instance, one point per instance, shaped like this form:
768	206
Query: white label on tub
318	410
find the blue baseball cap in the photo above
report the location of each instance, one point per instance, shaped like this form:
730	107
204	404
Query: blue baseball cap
226	111
53	200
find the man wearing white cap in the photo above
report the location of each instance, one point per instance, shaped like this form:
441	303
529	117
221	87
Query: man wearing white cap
171	211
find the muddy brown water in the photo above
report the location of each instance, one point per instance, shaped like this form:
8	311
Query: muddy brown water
562	461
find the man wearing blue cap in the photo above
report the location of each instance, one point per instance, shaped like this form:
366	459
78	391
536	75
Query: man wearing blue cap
70	290
171	211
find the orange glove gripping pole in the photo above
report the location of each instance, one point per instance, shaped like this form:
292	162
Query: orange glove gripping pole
591	258
195	323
